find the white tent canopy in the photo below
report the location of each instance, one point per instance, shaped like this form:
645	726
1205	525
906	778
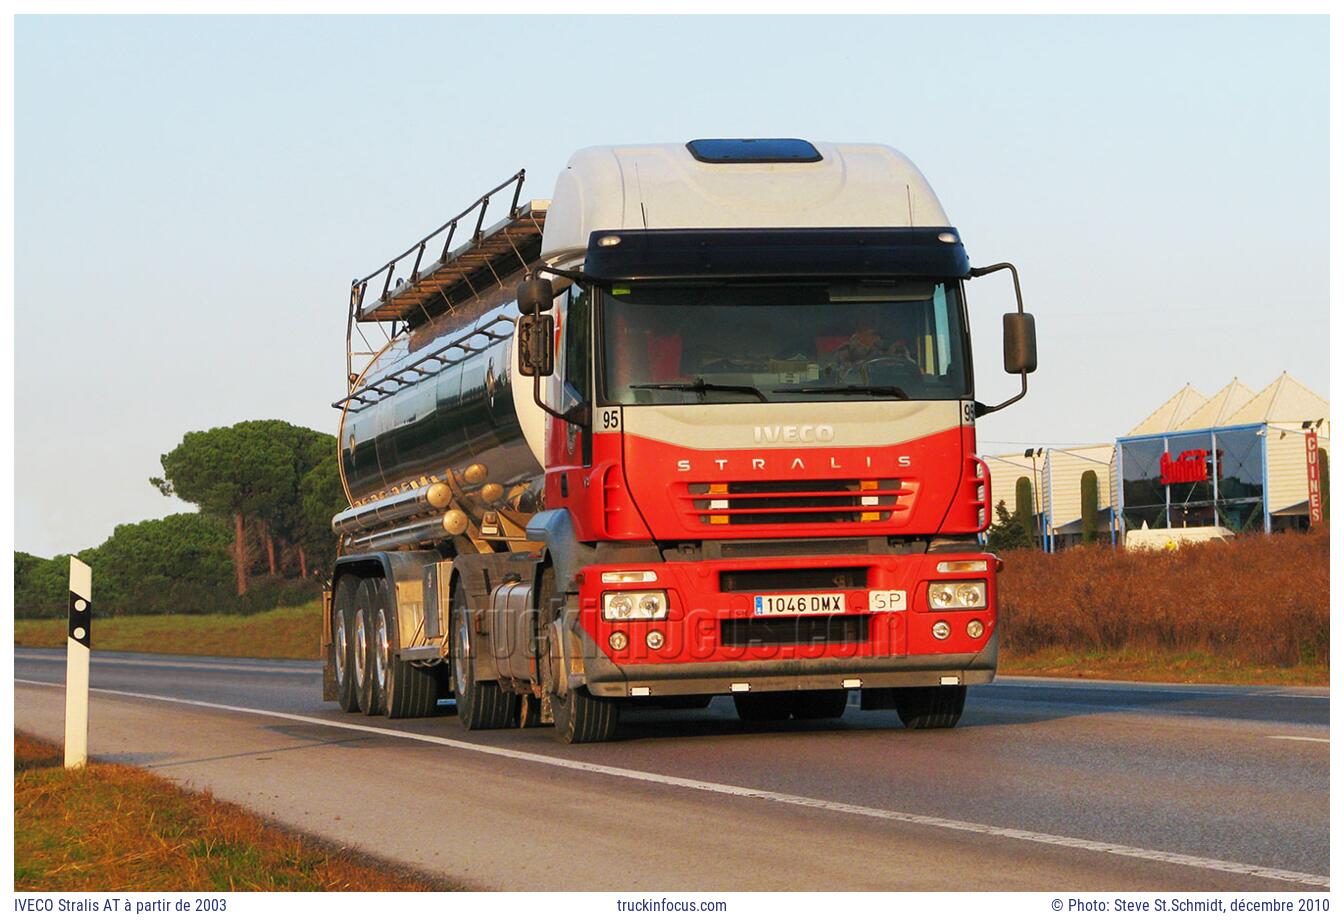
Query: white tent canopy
1219	408
1168	415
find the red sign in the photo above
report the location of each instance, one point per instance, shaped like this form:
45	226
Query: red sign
1190	466
1314	480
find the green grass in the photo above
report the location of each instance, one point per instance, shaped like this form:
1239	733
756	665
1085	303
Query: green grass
287	632
110	827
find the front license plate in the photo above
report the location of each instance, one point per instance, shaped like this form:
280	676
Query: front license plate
768	605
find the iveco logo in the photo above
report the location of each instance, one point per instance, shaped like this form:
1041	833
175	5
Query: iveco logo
794	434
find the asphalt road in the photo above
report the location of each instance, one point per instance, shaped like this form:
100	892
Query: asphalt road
1052	785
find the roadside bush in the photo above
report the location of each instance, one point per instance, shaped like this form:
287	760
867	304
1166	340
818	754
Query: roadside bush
267	593
1260	599
177	564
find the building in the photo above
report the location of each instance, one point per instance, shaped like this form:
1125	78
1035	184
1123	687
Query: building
1234	462
1239	461
1056	477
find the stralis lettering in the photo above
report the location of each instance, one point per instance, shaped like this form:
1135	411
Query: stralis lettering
794	434
793	463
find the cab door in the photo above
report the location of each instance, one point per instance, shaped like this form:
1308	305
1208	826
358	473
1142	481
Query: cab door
569	446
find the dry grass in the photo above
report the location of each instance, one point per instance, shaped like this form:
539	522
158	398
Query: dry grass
1167	667
287	632
1255	610
1258	602
117	828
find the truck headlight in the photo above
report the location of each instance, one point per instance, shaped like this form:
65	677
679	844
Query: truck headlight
957	595
634	605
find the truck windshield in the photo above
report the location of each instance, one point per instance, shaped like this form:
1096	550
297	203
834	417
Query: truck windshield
795	342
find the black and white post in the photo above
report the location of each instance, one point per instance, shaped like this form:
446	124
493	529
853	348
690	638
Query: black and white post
77	645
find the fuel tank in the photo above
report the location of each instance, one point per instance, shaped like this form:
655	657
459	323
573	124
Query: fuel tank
438	398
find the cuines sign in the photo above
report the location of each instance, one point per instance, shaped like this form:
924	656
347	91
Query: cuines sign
1315	509
1190	466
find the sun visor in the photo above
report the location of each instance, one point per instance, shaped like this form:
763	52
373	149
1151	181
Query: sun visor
844	252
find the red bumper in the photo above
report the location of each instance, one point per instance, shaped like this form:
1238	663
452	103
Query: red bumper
716	633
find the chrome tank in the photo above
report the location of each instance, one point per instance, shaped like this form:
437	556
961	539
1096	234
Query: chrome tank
460	411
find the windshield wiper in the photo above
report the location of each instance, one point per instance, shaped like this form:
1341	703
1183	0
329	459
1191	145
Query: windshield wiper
848	388
698	385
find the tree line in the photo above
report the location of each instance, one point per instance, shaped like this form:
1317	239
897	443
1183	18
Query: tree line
265	491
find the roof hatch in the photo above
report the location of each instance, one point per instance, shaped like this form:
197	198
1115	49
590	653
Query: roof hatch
753	150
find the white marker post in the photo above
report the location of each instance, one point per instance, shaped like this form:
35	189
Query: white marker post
77	645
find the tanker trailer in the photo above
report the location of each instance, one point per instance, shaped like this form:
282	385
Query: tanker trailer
702	424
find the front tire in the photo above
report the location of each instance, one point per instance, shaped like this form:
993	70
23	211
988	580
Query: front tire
581	718
479	705
342	644
930	707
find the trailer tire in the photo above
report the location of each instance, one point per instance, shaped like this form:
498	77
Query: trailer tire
480	706
407	692
930	707
820	704
364	652
763	707
342	645
581	718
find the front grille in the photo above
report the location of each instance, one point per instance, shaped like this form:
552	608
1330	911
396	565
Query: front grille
797	501
793	579
763	631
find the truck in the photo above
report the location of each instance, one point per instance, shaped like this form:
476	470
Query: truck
701	424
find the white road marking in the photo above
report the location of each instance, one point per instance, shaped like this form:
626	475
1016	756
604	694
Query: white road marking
1299	738
1075	843
142	663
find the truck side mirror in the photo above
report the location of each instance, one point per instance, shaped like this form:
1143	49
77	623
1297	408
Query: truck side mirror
1019	343
1019	338
535	295
536	357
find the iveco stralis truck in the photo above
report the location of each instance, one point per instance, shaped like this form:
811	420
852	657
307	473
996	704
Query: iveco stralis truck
702	424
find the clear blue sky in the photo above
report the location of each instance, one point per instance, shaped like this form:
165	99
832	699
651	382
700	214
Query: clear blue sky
193	196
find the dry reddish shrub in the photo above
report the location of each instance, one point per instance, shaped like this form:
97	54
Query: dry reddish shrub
1260	599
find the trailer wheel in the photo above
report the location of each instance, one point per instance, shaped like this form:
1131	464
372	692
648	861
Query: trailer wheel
930	707
364	652
820	704
763	707
342	644
581	718
479	705
407	692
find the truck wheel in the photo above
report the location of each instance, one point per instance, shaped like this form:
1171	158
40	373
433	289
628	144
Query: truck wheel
479	705
407	692
763	707
820	704
364	653
930	707
581	718
342	644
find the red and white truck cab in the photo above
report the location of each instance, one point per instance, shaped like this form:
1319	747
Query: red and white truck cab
752	413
